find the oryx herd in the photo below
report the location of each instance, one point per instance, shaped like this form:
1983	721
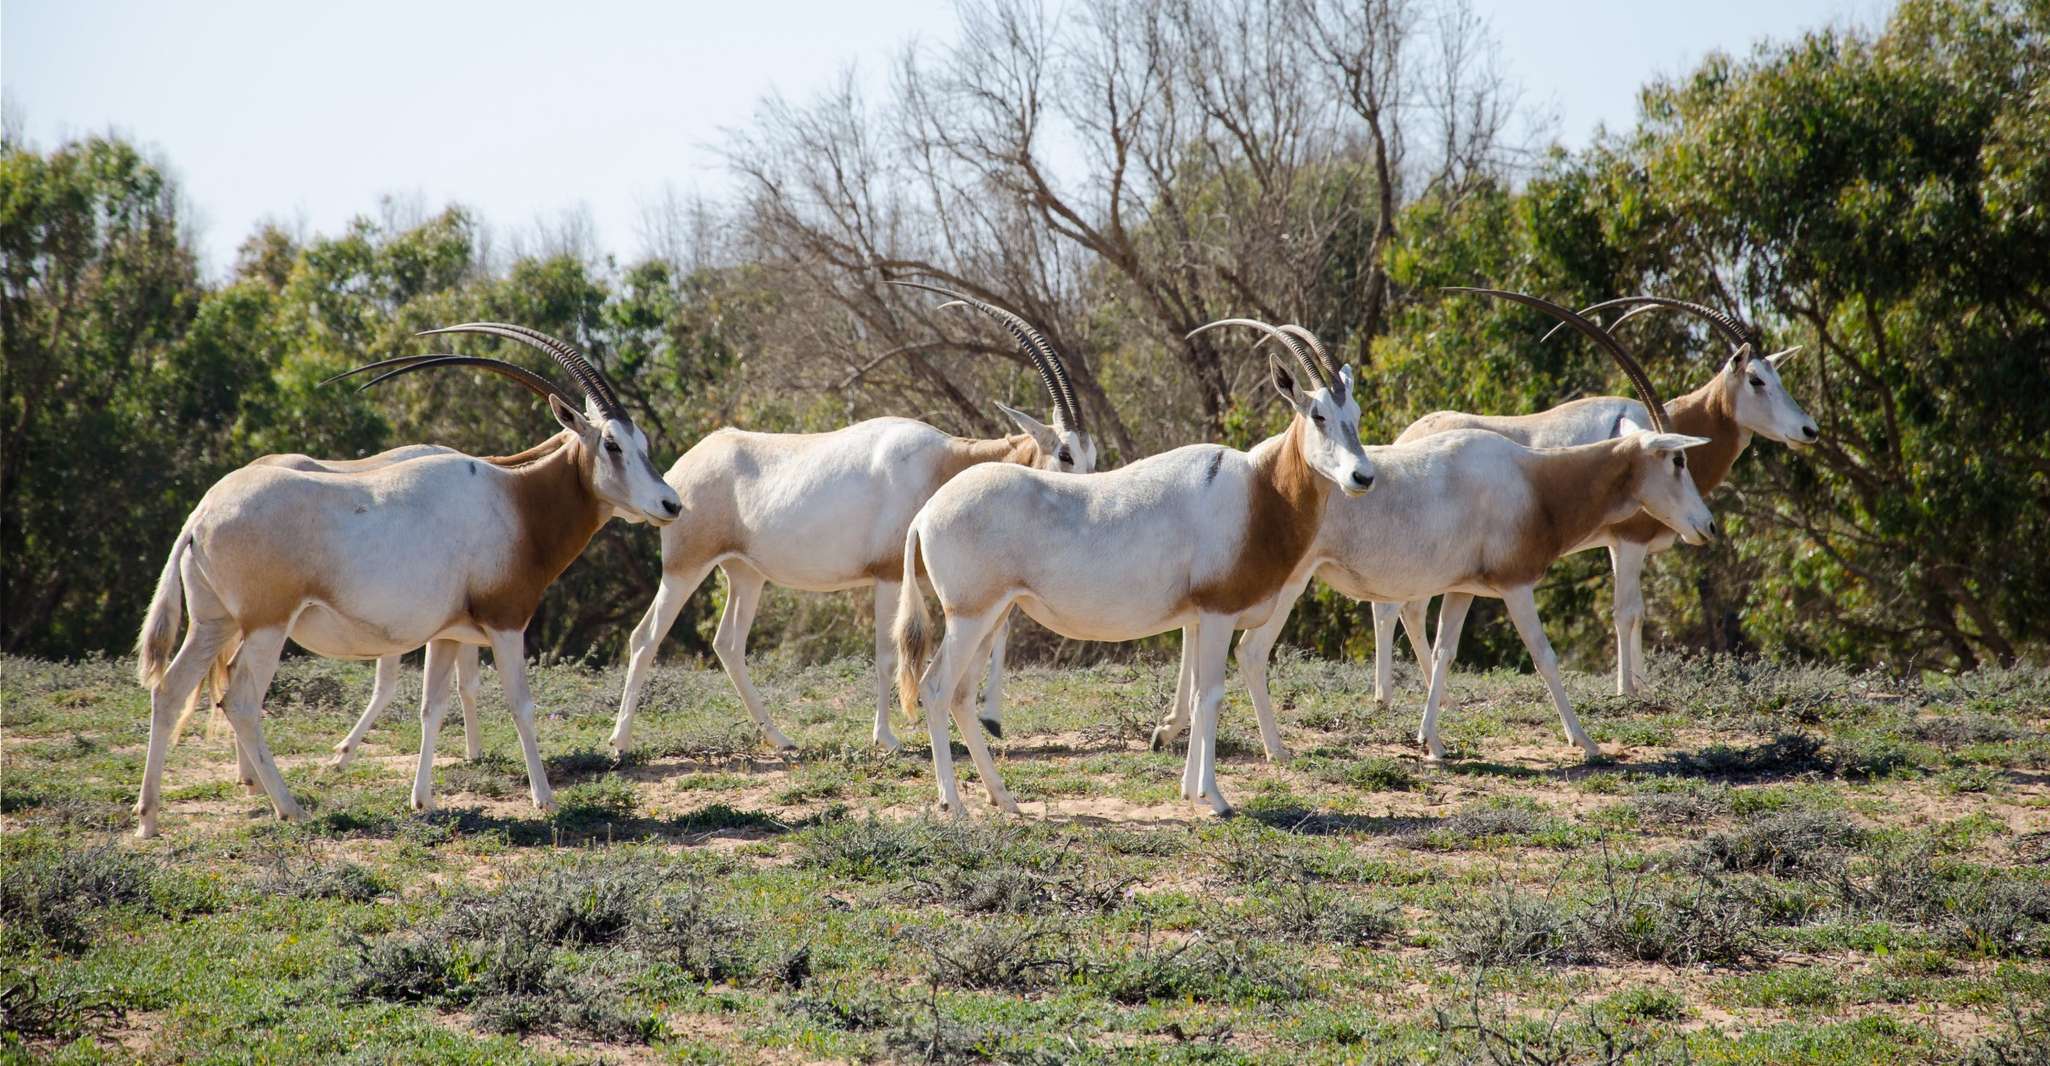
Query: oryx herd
423	545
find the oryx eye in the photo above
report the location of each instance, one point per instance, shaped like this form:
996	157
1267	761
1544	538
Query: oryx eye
1067	457
1757	382
1679	462
1317	418
612	446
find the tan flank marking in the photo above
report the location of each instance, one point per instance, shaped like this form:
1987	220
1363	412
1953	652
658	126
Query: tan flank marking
1705	412
959	454
557	514
1282	516
1577	491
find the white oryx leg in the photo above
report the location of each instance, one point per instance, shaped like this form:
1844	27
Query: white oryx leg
1628	558
1451	618
1255	649
937	689
743	594
963	708
1212	641
1414	616
182	680
1183	705
470	686
508	653
1523	611
255	664
1385	617
993	685
441	656
646	640
887	593
384	687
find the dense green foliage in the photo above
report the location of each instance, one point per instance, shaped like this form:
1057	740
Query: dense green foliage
1882	198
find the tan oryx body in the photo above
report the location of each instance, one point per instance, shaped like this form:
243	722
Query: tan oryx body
1471	513
1201	539
826	512
1745	398
440	550
385	684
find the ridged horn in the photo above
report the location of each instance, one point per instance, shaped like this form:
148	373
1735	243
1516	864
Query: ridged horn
1734	331
1053	373
587	376
1302	357
1624	359
406	364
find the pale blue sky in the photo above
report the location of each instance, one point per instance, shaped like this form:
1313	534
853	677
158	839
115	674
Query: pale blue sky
522	110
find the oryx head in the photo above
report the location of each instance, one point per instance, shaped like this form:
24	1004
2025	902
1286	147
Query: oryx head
1750	383
1321	397
613	454
1662	485
1064	446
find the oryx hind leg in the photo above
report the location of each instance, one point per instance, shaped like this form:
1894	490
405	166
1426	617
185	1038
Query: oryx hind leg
384	687
1451	619
677	587
256	662
1179	712
941	688
205	636
743	594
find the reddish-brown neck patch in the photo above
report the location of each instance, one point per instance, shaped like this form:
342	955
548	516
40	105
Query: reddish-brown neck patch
556	514
1284	506
1578	490
1708	412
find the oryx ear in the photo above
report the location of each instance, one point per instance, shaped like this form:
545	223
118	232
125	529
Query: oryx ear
1626	425
1049	441
1286	384
571	418
1742	355
1672	442
1345	381
1777	359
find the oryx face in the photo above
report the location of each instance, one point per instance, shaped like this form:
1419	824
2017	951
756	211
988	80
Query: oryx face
1061	447
1761	401
622	475
1665	488
1331	441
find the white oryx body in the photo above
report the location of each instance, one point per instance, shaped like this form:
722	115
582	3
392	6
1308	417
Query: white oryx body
826	512
1201	539
1745	398
439	550
1471	513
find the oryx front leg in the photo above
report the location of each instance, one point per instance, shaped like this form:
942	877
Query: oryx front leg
383	688
255	664
1451	618
1629	558
646	640
743	595
1523	612
434	676
1385	617
1255	650
509	651
1211	640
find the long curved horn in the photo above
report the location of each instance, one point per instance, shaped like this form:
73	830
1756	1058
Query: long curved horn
1053	373
1324	363
1733	330
587	376
392	368
1301	356
1652	405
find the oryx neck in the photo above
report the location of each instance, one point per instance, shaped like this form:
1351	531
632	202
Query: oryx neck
1710	412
